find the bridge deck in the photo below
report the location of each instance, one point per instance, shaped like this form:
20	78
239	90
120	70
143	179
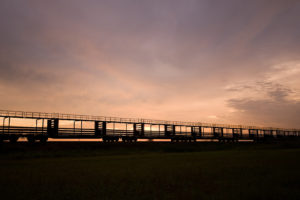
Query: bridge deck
60	116
140	128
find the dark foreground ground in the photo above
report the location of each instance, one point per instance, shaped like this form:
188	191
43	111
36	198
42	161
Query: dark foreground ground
150	171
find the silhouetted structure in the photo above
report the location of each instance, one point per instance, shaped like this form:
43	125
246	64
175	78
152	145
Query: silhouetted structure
140	129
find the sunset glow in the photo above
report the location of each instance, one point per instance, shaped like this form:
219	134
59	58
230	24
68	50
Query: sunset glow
235	62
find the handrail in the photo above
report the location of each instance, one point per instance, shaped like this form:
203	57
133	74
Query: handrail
44	115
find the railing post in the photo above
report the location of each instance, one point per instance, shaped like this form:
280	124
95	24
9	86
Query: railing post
36	126
81	127
159	130
214	132
221	132
166	130
114	128
142	129
193	131
200	131
97	131
241	132
3	124
43	126
103	131
135	133
8	125
173	130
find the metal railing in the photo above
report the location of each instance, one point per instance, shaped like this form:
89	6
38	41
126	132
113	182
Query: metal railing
44	115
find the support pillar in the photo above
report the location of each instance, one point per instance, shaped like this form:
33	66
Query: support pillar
52	127
193	131
200	131
169	130
241	132
138	129
218	132
100	128
253	133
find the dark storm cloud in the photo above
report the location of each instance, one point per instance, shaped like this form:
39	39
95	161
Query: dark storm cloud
167	58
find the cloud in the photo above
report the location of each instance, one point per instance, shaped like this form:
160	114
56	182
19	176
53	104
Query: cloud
270	102
277	113
155	59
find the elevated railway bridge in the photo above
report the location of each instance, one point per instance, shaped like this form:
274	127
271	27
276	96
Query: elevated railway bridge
113	129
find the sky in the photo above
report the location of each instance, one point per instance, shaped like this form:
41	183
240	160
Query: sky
216	61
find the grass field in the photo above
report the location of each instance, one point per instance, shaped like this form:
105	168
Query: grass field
150	171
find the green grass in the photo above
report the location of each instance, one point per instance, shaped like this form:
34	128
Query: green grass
150	171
